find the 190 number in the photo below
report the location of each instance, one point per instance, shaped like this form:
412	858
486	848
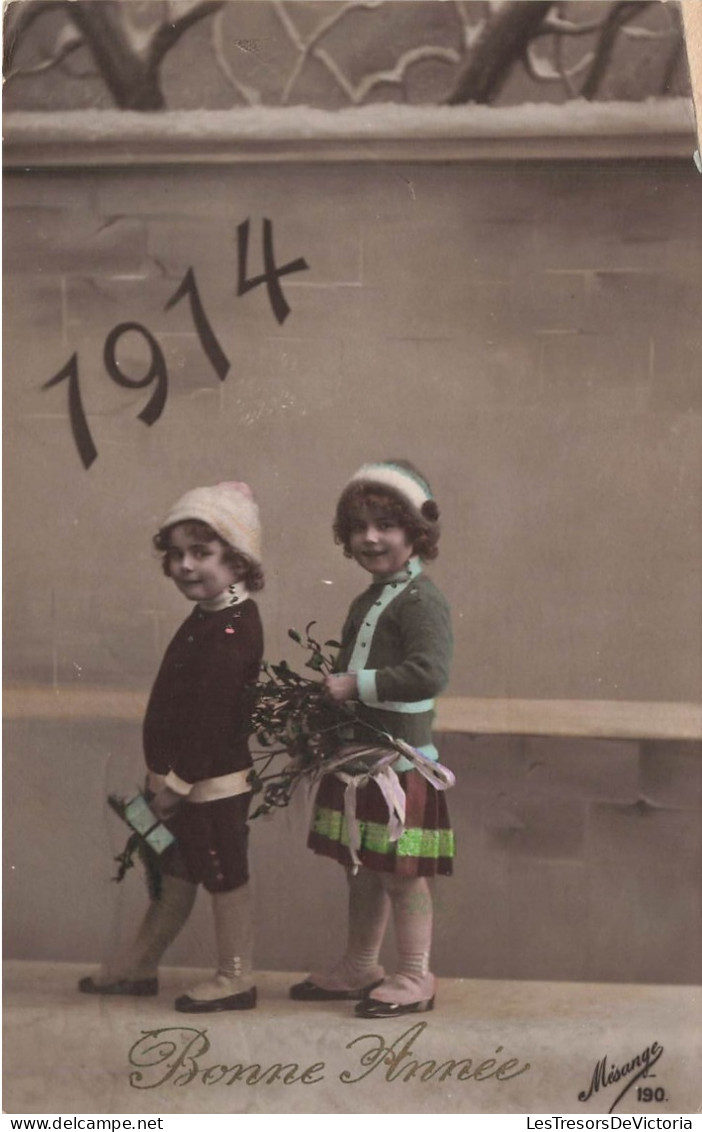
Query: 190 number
647	1094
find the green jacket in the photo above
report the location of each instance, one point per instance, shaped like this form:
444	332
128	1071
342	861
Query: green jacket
409	656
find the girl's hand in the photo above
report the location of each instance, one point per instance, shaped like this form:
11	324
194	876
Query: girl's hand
342	687
294	765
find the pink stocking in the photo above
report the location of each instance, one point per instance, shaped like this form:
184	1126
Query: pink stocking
413	917
369	909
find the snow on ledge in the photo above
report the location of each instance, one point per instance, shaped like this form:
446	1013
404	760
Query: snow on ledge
383	131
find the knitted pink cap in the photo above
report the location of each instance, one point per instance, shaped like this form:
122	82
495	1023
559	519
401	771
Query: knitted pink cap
231	511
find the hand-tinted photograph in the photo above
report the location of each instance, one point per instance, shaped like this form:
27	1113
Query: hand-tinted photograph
353	558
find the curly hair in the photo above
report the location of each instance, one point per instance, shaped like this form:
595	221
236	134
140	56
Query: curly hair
421	527
250	573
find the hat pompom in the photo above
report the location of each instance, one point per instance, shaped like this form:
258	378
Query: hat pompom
234	485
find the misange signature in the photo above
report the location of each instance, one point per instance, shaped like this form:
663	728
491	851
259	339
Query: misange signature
628	1073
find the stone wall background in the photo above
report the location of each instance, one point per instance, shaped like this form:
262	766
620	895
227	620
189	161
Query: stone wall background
529	334
578	859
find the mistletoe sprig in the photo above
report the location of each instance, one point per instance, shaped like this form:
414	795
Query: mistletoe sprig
294	716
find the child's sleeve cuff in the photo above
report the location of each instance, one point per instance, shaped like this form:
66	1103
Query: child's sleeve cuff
178	785
367	691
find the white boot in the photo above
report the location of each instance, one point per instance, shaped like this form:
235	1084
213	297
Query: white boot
231	987
412	989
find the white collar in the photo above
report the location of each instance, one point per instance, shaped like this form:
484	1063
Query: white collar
233	595
410	570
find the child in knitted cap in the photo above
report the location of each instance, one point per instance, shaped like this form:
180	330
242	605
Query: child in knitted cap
196	746
394	659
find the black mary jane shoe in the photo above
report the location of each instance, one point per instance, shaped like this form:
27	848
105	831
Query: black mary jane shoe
140	988
374	1008
307	991
246	1000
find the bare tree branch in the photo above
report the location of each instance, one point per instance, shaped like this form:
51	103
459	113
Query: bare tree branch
397	73
121	67
17	21
70	44
619	15
168	34
502	42
471	27
394	75
647	33
557	25
496	34
310	46
541	70
248	94
131	75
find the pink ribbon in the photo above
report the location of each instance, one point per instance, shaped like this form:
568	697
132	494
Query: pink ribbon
382	772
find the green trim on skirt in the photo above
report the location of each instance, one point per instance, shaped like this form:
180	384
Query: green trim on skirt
430	843
425	848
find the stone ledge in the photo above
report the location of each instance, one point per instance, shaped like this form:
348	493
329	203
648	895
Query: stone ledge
606	719
577	130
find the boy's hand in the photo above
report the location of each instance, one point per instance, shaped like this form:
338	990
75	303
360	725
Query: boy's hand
155	783
165	803
342	687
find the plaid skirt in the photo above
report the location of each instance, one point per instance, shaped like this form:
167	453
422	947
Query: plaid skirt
425	848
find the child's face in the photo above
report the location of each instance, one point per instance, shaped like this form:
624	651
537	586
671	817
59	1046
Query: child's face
198	568
378	543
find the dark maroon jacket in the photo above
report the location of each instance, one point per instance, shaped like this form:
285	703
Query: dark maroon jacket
198	716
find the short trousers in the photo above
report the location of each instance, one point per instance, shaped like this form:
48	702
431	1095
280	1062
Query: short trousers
211	846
